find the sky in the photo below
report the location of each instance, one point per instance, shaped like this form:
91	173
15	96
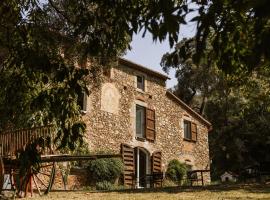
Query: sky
148	53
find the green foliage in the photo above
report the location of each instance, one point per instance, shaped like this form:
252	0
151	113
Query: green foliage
193	79
237	106
42	43
30	158
176	170
237	33
81	150
169	183
104	185
106	169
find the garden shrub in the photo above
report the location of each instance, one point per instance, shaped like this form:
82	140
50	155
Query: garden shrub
169	183
106	169
104	185
176	171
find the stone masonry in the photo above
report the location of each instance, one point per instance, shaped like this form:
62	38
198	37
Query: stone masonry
110	117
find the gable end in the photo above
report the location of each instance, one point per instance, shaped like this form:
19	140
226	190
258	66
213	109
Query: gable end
189	109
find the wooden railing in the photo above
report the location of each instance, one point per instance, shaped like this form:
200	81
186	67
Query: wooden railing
13	141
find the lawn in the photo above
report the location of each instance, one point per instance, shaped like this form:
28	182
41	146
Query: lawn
240	192
229	192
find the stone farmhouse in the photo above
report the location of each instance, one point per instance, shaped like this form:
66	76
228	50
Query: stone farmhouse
131	112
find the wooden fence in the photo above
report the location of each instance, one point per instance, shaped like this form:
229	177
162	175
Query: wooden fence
14	141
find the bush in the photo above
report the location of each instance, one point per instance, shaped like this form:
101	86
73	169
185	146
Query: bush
106	169
169	183
104	185
176	170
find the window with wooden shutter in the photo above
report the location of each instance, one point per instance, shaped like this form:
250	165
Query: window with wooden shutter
194	131
150	131
129	164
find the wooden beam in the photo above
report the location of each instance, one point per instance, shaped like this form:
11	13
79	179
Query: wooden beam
66	158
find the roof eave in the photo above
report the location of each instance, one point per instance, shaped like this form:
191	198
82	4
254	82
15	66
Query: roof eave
143	69
206	122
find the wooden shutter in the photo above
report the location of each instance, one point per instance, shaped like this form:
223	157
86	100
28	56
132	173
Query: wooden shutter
156	161
150	132
129	164
193	131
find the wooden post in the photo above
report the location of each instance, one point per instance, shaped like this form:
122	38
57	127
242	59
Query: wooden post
202	178
31	185
1	174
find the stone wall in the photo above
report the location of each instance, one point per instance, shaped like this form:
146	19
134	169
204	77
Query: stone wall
110	119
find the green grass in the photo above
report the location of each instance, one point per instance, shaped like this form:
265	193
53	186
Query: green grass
224	192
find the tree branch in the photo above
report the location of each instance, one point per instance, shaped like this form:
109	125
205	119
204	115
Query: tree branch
59	11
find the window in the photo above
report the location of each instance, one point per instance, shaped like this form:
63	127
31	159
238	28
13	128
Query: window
187	130
140	121
140	82
82	101
145	123
190	131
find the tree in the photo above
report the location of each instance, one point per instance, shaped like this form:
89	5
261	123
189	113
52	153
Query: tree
237	107
240	134
237	31
43	42
232	36
194	81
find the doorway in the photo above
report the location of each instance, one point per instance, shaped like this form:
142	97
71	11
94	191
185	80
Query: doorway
142	167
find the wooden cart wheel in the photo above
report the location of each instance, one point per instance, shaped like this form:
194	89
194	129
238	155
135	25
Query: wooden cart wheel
43	181
40	182
1	174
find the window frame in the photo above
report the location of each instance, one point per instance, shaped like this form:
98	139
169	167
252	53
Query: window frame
84	102
142	84
190	138
189	134
142	135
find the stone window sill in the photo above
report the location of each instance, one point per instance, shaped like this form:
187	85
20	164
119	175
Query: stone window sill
140	139
140	91
190	140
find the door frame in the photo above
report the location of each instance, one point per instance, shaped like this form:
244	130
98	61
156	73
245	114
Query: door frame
147	164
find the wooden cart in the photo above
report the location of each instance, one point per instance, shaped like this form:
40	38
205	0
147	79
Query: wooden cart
42	181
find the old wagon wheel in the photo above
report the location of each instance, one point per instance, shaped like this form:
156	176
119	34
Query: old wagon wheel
1	174
37	179
40	181
43	180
